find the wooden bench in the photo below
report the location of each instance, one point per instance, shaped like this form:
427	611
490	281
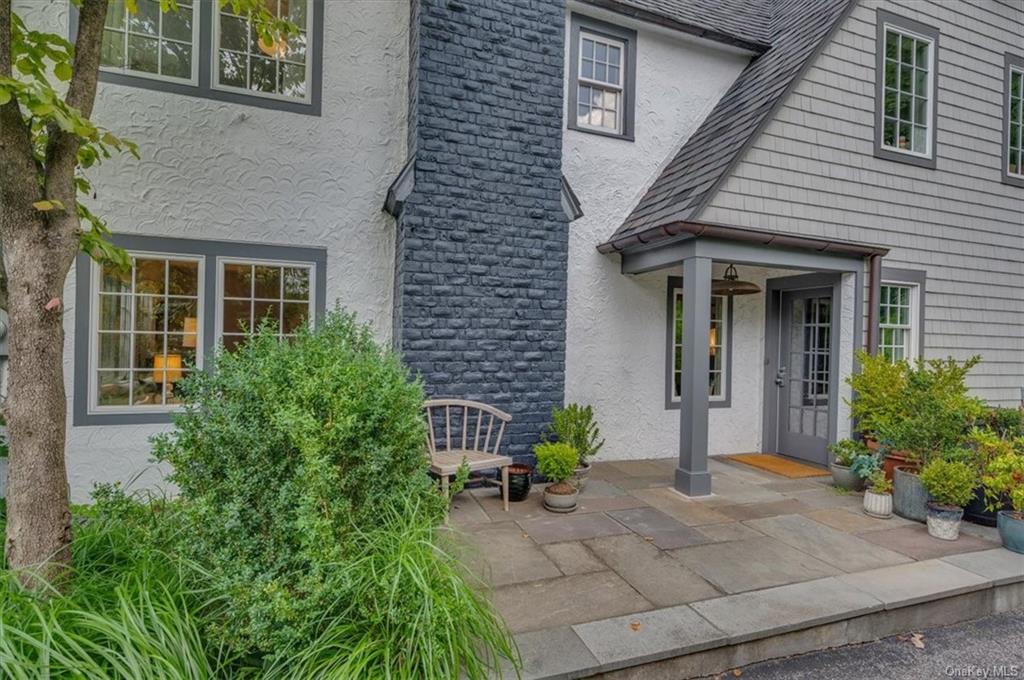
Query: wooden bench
461	431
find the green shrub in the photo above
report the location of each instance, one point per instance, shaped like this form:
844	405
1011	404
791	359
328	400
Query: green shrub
285	452
575	426
879	483
878	390
1004	478
949	482
556	460
1007	423
847	451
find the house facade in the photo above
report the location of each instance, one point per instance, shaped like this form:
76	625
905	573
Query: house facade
538	203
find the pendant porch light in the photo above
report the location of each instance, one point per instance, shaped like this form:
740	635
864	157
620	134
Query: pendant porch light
730	284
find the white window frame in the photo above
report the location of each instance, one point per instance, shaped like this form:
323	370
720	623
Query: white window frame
723	345
620	88
930	115
220	298
198	6
913	331
94	313
1014	72
215	83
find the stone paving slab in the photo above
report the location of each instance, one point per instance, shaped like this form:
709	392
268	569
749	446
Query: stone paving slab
573	558
908	584
752	564
686	511
659	528
914	541
747	511
730	531
999	565
841	550
607	503
599	488
566	600
653	573
648	636
552	654
829	497
854	521
466	510
557	528
736	491
641	468
507	555
775	611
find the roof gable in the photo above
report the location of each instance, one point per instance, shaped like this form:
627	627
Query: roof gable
690	179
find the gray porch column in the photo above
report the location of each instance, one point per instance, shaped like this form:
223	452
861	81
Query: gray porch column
692	476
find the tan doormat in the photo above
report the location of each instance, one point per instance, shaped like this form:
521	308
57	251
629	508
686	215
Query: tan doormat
778	465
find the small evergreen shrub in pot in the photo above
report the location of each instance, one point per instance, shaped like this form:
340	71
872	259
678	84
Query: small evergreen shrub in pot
848	453
950	484
557	461
878	495
575	426
1004	478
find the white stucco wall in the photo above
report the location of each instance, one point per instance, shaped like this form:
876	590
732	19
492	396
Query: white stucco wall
615	335
215	170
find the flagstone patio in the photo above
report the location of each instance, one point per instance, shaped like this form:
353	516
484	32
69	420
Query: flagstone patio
636	545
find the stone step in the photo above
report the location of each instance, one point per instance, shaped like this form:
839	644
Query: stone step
718	634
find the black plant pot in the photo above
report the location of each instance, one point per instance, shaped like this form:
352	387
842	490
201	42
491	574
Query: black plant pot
519	481
977	512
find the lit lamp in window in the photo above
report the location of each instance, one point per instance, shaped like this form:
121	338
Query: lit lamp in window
191	331
275	47
167	368
713	340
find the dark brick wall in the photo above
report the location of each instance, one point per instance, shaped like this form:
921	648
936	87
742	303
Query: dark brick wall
482	241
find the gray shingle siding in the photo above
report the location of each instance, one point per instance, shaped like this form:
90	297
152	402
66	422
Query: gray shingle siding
812	172
481	253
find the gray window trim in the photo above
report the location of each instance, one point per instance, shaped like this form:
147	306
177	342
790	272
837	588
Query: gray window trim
205	88
917	277
626	35
1011	61
882	18
676	283
211	250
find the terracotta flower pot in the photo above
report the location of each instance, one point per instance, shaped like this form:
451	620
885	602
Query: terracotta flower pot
899	458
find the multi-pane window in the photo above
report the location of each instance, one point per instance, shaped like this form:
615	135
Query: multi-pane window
146	331
150	42
255	292
1015	124
600	83
245	61
897	338
716	346
907	97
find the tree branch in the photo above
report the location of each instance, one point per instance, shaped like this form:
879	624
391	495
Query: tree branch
18	169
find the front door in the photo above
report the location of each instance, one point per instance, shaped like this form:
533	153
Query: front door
803	375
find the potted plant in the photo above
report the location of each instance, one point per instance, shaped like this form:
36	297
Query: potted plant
1004	476
878	496
575	426
557	461
520	478
847	454
878	388
909	497
988	441
950	484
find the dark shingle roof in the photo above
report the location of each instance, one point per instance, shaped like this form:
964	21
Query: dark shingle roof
687	183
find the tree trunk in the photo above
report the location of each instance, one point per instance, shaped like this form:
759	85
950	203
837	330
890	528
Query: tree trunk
37	255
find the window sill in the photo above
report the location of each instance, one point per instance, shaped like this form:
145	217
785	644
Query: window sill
1013	180
712	403
125	418
902	157
600	133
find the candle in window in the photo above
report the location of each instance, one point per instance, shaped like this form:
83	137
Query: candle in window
167	368
191	330
713	340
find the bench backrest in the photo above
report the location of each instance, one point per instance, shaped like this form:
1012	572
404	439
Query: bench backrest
462	425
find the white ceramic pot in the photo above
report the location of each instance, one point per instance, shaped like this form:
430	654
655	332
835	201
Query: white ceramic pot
944	521
560	502
878	504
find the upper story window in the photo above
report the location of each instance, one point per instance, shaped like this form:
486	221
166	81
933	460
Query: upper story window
905	119
1013	147
206	50
718	347
602	77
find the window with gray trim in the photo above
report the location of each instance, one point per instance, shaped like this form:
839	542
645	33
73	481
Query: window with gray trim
602	74
138	333
905	90
901	314
719	346
1013	130
205	51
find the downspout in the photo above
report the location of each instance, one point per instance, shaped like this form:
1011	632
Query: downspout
874	289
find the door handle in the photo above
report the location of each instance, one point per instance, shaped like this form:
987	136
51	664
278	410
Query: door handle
780	377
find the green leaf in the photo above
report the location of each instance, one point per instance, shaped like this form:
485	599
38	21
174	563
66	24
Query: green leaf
48	205
25	66
63	71
5	96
